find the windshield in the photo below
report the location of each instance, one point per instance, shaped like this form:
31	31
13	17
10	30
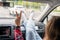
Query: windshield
27	7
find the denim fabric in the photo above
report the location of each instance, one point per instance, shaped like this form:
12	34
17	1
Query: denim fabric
31	33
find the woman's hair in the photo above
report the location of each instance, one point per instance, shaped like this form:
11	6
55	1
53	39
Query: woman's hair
53	29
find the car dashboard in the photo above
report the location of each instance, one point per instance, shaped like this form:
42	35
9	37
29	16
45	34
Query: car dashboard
7	31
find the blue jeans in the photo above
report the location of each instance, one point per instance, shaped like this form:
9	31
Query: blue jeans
31	33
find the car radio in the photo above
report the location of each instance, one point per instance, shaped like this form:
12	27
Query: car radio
6	32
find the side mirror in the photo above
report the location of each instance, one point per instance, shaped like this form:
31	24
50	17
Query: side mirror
41	26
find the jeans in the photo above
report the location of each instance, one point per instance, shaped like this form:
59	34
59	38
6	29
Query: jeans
31	33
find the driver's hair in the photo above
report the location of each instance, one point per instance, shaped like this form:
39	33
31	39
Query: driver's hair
52	30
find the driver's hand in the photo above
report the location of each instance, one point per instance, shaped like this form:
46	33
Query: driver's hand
18	18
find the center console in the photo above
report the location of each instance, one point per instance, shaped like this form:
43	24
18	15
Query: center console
6	32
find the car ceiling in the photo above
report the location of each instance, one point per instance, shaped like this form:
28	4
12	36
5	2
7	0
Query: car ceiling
45	1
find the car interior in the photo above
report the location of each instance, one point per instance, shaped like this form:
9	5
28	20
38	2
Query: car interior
7	22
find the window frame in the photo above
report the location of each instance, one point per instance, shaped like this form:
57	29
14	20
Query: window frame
46	18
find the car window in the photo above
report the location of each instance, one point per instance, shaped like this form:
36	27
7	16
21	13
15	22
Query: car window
55	12
28	7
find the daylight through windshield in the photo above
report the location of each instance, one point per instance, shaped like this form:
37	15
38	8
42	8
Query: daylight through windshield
25	6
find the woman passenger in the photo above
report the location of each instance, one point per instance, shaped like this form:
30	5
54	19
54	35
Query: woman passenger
52	31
